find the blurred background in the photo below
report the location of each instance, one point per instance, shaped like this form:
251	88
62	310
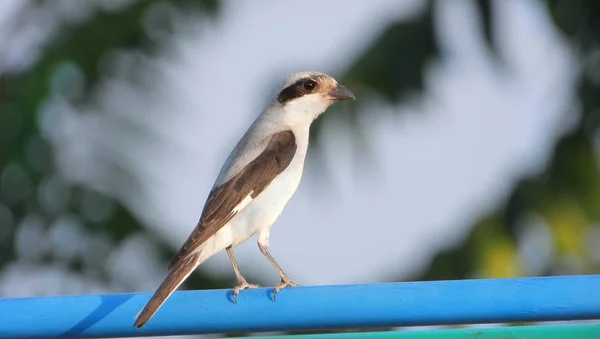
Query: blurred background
472	149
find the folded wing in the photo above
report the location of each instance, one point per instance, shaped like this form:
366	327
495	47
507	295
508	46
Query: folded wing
229	198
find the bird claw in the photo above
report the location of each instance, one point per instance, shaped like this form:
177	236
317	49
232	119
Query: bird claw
242	286
283	284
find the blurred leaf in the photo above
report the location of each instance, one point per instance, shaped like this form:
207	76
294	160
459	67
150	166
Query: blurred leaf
568	224
388	67
486	15
498	257
578	20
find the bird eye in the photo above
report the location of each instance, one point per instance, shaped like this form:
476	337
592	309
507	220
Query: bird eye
309	85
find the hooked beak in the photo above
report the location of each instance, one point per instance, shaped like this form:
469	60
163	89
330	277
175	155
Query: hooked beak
340	93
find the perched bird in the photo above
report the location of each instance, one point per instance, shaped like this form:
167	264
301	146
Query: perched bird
257	180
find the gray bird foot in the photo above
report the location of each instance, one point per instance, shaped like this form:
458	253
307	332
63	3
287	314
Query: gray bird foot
283	284
242	286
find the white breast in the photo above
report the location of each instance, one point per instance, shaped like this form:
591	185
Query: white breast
262	211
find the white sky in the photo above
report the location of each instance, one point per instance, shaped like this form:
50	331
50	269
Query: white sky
438	167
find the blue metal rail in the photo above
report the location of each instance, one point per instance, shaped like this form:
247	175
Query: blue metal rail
307	308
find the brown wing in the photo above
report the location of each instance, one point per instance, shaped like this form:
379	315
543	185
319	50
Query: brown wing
250	181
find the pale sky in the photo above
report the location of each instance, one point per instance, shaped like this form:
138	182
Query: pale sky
438	167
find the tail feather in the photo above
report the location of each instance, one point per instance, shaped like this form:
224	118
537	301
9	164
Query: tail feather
175	278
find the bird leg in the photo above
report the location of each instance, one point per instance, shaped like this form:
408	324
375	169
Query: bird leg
242	283
263	244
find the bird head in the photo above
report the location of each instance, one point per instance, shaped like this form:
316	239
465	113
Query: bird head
308	94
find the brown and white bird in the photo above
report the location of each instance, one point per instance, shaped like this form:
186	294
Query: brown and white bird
257	180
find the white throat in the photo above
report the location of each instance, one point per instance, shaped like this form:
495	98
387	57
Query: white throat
306	109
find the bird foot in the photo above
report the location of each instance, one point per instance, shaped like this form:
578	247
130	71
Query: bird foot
244	285
283	284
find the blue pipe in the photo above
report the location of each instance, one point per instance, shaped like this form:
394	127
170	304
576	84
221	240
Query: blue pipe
306	308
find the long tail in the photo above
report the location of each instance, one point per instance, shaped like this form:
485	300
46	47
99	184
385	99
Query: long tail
176	276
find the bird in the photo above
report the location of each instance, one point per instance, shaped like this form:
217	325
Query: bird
255	183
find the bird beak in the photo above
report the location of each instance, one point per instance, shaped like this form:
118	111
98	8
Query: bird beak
340	93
